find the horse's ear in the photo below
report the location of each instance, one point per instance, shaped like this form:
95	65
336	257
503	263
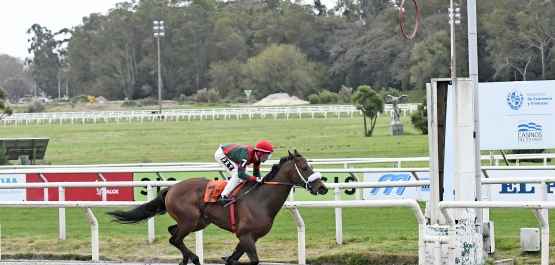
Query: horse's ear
297	153
292	156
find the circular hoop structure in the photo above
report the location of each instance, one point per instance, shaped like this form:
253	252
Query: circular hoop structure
401	20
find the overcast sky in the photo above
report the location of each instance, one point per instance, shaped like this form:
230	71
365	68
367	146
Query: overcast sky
16	16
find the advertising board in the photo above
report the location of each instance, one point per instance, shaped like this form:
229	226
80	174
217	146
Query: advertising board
300	194
12	194
517	115
81	194
391	193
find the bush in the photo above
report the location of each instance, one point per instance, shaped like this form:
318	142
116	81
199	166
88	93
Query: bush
420	117
149	101
35	107
345	94
80	98
207	96
130	103
182	98
314	99
328	97
213	96
3	159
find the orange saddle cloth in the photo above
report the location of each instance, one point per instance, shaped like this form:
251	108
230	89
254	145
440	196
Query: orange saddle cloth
215	188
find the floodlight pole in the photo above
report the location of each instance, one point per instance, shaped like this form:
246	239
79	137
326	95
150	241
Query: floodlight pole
159	32
454	19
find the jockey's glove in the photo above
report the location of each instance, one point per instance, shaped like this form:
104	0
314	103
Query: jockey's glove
257	179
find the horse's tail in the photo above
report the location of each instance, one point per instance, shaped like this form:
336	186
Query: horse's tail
142	212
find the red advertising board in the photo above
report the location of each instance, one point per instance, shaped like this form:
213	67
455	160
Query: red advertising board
82	194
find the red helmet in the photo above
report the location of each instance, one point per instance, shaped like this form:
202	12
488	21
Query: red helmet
264	146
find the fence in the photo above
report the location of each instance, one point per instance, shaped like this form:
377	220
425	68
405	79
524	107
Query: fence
191	114
292	205
344	162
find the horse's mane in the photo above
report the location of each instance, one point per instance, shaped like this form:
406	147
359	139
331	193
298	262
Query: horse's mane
276	167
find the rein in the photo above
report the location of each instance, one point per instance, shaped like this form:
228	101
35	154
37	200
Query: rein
237	198
279	183
311	178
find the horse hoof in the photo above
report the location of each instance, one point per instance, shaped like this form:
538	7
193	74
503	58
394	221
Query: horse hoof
224	257
181	263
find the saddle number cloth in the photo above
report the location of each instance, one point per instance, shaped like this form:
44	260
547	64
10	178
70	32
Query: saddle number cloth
215	188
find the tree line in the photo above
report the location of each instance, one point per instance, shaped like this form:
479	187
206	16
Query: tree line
277	46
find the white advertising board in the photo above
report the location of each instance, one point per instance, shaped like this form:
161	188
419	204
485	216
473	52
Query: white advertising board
391	193
13	194
518	191
517	115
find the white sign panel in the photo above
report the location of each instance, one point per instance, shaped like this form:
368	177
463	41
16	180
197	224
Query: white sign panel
518	191
517	115
390	193
13	194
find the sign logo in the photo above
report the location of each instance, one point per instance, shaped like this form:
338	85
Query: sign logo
112	191
515	100
8	180
538	99
529	132
108	191
392	177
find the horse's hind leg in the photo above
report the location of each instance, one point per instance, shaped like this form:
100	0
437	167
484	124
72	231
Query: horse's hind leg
235	256
178	234
246	245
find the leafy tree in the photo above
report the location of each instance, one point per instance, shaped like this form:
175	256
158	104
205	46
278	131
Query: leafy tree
226	76
420	117
280	69
426	56
15	78
197	46
371	104
46	60
526	48
6	110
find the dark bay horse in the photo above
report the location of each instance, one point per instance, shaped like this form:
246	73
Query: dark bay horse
254	211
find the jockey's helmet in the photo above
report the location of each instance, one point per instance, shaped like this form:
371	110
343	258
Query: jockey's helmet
264	146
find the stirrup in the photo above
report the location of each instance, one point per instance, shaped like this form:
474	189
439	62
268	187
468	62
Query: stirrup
223	199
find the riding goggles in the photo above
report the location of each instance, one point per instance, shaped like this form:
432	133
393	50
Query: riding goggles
265	155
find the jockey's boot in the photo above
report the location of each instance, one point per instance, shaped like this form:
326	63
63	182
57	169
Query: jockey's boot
223	199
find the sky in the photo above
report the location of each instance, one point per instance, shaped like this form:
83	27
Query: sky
16	16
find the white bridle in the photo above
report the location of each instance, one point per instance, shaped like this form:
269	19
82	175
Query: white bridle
311	178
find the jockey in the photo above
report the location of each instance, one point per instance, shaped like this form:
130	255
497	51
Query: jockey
236	157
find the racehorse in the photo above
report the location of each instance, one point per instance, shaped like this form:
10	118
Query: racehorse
256	207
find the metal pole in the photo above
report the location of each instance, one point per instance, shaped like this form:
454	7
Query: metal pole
159	32
452	26
159	79
473	72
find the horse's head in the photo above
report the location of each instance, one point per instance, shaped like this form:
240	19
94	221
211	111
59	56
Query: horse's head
305	175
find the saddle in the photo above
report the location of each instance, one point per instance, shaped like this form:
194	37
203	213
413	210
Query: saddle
215	187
